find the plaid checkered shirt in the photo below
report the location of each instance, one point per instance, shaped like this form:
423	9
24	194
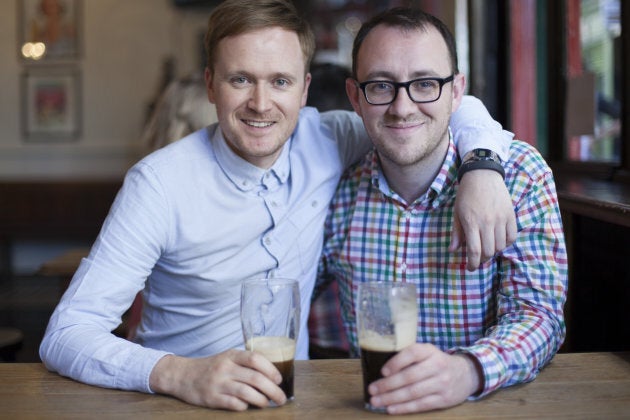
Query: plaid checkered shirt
507	314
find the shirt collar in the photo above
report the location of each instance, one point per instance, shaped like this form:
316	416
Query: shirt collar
243	174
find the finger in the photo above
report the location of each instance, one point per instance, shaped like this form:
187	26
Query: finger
260	376
511	232
410	355
404	368
259	363
425	403
500	239
257	389
473	250
488	244
400	386
417	396
253	396
233	400
457	233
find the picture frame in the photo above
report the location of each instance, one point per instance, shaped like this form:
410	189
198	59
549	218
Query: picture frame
49	30
51	109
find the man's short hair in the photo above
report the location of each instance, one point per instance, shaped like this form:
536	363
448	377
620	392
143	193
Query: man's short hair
407	19
236	17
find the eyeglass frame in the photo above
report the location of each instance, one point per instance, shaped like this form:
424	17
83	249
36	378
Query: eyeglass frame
397	85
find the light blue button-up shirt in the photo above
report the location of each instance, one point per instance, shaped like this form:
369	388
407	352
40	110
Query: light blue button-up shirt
191	222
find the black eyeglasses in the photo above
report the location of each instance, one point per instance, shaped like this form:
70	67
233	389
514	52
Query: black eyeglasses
384	92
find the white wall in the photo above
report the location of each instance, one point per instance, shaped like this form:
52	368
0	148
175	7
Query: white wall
125	43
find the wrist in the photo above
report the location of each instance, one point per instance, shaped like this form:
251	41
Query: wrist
474	373
480	159
162	375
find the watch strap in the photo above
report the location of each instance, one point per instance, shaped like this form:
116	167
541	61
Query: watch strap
480	159
479	164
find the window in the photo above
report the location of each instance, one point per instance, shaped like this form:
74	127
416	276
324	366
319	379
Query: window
593	118
587	60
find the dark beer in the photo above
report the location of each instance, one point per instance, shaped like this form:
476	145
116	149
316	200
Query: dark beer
287	371
280	351
372	362
387	318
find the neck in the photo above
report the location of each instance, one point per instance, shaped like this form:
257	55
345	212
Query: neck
412	181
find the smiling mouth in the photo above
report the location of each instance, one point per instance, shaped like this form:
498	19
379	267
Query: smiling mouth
258	124
404	125
401	123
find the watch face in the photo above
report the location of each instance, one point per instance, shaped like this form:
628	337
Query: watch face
482	155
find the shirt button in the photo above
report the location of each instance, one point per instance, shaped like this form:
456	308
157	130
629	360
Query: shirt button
314	203
267	240
274	203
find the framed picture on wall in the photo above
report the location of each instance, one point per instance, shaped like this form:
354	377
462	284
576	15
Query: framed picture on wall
49	29
51	108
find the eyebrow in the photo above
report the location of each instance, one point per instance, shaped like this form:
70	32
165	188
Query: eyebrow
385	75
249	75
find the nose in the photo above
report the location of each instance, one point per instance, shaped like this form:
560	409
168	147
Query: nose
260	99
402	105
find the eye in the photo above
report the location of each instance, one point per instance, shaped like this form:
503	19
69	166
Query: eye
426	84
380	87
281	83
239	80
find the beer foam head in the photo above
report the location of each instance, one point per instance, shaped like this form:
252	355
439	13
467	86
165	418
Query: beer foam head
404	315
276	349
405	335
371	340
387	316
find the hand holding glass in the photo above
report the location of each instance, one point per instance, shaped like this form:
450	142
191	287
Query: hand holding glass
387	322
270	317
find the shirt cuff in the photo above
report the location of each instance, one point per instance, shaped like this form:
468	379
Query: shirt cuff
491	366
141	363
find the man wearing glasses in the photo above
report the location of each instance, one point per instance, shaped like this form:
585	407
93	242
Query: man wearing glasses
391	217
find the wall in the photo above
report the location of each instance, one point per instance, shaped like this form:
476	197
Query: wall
125	44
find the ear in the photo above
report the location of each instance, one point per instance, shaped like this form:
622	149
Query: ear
354	94
459	90
307	83
209	90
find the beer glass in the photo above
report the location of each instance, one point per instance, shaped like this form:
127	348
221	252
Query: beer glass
270	317
387	321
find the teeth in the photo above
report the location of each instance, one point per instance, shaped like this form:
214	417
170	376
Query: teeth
258	124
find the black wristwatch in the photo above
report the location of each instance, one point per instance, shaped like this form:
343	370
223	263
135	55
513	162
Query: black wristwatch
480	159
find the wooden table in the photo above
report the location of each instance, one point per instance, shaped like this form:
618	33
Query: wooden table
574	385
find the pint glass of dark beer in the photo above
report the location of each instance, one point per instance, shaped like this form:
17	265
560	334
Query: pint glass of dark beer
270	317
387	321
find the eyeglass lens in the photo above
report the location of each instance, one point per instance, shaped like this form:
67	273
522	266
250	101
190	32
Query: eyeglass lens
422	90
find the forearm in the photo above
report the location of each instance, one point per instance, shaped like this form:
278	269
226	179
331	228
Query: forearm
78	341
530	324
514	354
97	357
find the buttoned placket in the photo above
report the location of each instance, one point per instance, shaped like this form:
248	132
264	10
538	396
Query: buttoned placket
402	237
274	197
